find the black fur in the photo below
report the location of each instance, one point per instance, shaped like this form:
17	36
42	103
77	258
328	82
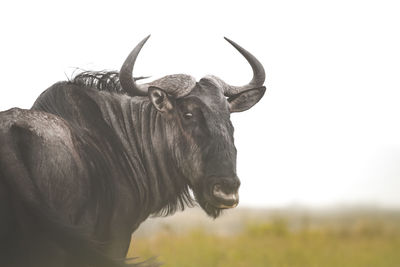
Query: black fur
88	163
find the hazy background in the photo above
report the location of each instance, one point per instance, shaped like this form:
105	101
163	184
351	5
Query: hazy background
318	156
327	131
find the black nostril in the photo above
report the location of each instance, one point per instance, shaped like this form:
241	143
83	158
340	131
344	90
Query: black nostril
229	185
237	183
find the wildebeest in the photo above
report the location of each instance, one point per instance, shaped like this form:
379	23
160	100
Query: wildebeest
97	155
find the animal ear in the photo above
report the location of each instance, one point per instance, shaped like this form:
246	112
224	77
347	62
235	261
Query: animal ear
245	100
160	99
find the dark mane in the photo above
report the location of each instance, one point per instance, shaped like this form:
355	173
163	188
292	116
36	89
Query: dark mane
101	80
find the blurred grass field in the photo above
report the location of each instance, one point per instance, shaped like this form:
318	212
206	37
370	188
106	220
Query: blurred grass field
262	238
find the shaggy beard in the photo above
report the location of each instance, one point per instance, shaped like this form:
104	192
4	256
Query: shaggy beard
208	208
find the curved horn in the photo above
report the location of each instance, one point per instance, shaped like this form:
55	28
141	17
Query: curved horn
125	75
258	73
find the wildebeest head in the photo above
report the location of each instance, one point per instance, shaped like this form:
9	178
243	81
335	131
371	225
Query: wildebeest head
200	133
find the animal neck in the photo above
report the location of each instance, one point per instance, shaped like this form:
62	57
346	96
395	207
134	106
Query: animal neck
157	184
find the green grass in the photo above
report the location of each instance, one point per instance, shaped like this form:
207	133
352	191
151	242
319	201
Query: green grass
361	243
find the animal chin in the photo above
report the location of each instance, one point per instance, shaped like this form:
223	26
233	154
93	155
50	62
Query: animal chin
211	210
212	207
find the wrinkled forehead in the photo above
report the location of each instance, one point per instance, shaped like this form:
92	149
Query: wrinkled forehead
209	93
207	90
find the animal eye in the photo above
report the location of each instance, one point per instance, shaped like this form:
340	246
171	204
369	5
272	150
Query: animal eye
188	115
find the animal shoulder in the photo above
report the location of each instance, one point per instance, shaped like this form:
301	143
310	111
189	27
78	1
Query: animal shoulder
40	124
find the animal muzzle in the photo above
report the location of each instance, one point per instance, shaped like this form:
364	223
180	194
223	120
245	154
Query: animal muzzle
225	200
225	193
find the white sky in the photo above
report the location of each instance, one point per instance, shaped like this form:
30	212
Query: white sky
328	128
